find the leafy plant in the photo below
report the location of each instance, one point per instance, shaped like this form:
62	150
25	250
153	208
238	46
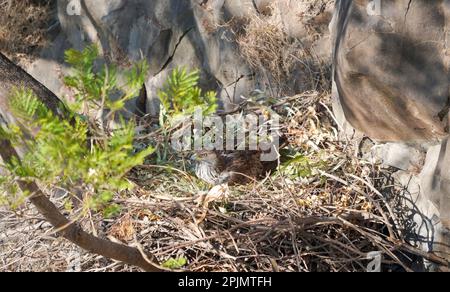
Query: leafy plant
298	165
174	264
74	154
182	96
97	87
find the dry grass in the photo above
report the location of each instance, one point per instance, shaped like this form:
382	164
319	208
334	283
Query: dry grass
265	45
23	27
27	243
287	65
324	212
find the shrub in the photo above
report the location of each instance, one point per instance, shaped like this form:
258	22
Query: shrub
75	154
181	95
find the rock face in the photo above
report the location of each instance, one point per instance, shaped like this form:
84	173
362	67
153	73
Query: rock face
391	82
391	67
188	33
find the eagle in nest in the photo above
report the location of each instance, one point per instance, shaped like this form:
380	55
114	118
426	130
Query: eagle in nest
232	168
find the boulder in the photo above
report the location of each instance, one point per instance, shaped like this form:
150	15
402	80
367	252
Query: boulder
391	68
391	83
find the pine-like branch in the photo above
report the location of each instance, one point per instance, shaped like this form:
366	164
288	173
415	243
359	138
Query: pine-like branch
12	76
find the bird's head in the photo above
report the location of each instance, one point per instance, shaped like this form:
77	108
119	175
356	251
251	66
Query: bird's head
207	165
205	157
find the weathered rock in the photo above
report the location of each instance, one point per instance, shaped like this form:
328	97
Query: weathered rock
400	156
435	179
427	199
190	33
391	82
391	69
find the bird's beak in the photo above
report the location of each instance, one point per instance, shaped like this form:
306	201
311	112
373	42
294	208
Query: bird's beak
194	157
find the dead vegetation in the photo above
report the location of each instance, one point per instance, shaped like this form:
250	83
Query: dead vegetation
325	209
24	26
288	65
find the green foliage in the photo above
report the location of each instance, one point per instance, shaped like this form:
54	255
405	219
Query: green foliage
59	153
25	106
10	194
180	98
174	264
182	95
299	165
96	87
84	154
74	154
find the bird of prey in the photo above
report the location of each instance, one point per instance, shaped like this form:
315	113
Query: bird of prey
232	168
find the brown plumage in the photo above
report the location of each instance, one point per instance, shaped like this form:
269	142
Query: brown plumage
238	167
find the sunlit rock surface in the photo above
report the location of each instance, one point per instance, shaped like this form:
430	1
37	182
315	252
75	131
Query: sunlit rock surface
391	82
